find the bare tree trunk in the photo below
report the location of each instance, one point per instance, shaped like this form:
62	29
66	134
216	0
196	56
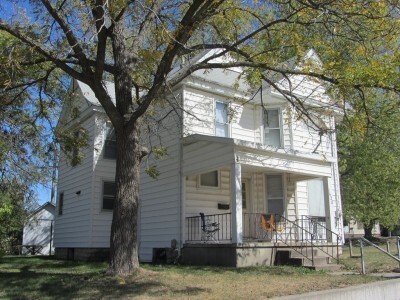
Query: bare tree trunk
123	241
368	231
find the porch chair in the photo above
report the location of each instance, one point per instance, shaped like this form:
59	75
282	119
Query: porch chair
269	225
208	229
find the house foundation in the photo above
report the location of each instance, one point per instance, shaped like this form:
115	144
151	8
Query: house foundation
229	255
85	254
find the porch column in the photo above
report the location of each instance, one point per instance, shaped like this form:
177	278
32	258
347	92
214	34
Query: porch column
236	203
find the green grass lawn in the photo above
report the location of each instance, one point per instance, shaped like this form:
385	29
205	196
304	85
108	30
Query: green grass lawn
375	260
48	278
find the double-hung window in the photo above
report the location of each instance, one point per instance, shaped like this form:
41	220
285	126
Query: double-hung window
275	198
221	119
110	144
108	195
272	127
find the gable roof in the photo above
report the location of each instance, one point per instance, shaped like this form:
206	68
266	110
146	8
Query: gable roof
48	205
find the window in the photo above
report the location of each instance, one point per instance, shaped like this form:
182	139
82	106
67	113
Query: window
244	195
316	198
61	204
221	119
108	195
274	188
272	130
210	179
110	144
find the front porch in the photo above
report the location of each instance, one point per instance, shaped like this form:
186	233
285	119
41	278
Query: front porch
266	240
255	200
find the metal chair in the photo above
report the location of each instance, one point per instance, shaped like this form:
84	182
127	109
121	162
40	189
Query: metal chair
208	229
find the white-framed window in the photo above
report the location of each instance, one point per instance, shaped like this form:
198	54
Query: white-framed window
272	127
108	195
209	179
275	194
221	119
110	144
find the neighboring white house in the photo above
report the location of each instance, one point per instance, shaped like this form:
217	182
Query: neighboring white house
355	229
234	153
38	231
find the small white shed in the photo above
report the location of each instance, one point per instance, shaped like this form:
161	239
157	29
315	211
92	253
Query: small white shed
38	231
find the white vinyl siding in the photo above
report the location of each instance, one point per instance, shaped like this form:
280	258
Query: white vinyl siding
73	227
199	117
160	203
206	200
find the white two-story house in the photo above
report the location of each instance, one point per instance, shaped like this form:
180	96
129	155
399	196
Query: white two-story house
264	177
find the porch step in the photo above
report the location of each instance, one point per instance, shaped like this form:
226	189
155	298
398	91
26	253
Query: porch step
294	258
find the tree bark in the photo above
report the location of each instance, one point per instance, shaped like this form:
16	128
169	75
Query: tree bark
368	231
123	241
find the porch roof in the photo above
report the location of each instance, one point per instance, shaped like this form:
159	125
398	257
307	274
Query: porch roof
202	153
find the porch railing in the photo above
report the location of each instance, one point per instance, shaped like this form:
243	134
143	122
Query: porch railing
194	231
303	235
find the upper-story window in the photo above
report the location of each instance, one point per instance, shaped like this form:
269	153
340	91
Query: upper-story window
272	127
110	145
221	119
108	195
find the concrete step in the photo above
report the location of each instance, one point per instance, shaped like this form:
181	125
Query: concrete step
292	257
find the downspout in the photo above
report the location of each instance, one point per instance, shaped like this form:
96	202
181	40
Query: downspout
338	211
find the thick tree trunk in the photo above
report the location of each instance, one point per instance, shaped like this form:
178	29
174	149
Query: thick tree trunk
123	242
368	231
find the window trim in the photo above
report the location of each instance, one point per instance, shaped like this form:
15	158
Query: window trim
227	124
199	185
102	196
263	112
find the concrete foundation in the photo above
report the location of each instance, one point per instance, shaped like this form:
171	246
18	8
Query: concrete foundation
231	255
